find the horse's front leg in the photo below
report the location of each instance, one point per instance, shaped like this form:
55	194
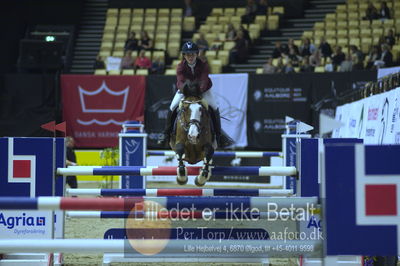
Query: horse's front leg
205	172
181	171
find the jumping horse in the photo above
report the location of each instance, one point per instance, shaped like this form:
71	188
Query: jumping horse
193	140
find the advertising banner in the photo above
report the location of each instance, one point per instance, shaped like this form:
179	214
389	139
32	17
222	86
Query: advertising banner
375	119
95	107
270	99
159	93
230	92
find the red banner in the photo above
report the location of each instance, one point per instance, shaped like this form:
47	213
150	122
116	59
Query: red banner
95	107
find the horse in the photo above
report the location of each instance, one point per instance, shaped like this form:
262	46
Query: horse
193	140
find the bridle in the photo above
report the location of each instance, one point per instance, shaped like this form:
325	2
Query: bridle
195	122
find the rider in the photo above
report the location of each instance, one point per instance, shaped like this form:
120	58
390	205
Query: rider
193	69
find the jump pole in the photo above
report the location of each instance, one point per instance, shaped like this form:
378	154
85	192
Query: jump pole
155	170
173	248
233	216
236	154
180	192
168	203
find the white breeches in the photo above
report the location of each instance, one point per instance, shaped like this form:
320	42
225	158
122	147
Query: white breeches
206	95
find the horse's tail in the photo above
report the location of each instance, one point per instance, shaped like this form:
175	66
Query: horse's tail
225	140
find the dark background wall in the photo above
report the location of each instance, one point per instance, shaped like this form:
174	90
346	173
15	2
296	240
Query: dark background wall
15	17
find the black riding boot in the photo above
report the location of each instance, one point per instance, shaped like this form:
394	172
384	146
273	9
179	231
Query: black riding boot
222	139
164	138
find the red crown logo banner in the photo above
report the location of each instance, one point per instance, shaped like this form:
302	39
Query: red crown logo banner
95	107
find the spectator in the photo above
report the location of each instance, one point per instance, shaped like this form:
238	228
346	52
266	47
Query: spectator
390	38
216	45
280	68
386	59
305	66
71	161
127	60
293	45
251	10
384	12
202	56
246	35
356	52
371	12
315	58
231	33
357	64
374	54
325	48
188	9
347	64
145	42
329	66
280	50
142	61
293	57
338	57
132	43
276	53
288	67
99	63
239	52
158	66
307	48
381	40
262	8
269	68
202	43
284	49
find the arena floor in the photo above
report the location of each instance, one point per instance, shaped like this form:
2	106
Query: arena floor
95	228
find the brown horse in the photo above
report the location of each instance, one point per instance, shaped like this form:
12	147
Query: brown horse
193	140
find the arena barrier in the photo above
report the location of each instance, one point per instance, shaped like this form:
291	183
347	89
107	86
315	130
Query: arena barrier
236	154
180	192
166	170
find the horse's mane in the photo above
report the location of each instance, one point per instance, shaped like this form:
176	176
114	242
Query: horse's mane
192	89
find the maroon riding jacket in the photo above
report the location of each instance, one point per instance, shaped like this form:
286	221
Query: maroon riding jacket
201	71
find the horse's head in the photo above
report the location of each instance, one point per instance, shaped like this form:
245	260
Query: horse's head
192	112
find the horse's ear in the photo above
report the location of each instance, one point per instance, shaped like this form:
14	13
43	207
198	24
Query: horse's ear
186	87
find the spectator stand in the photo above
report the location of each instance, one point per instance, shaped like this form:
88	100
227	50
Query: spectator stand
348	27
215	28
164	26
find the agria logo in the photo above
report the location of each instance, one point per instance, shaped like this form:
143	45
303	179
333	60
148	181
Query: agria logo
13	221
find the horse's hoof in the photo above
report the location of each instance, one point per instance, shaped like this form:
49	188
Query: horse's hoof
181	182
196	181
